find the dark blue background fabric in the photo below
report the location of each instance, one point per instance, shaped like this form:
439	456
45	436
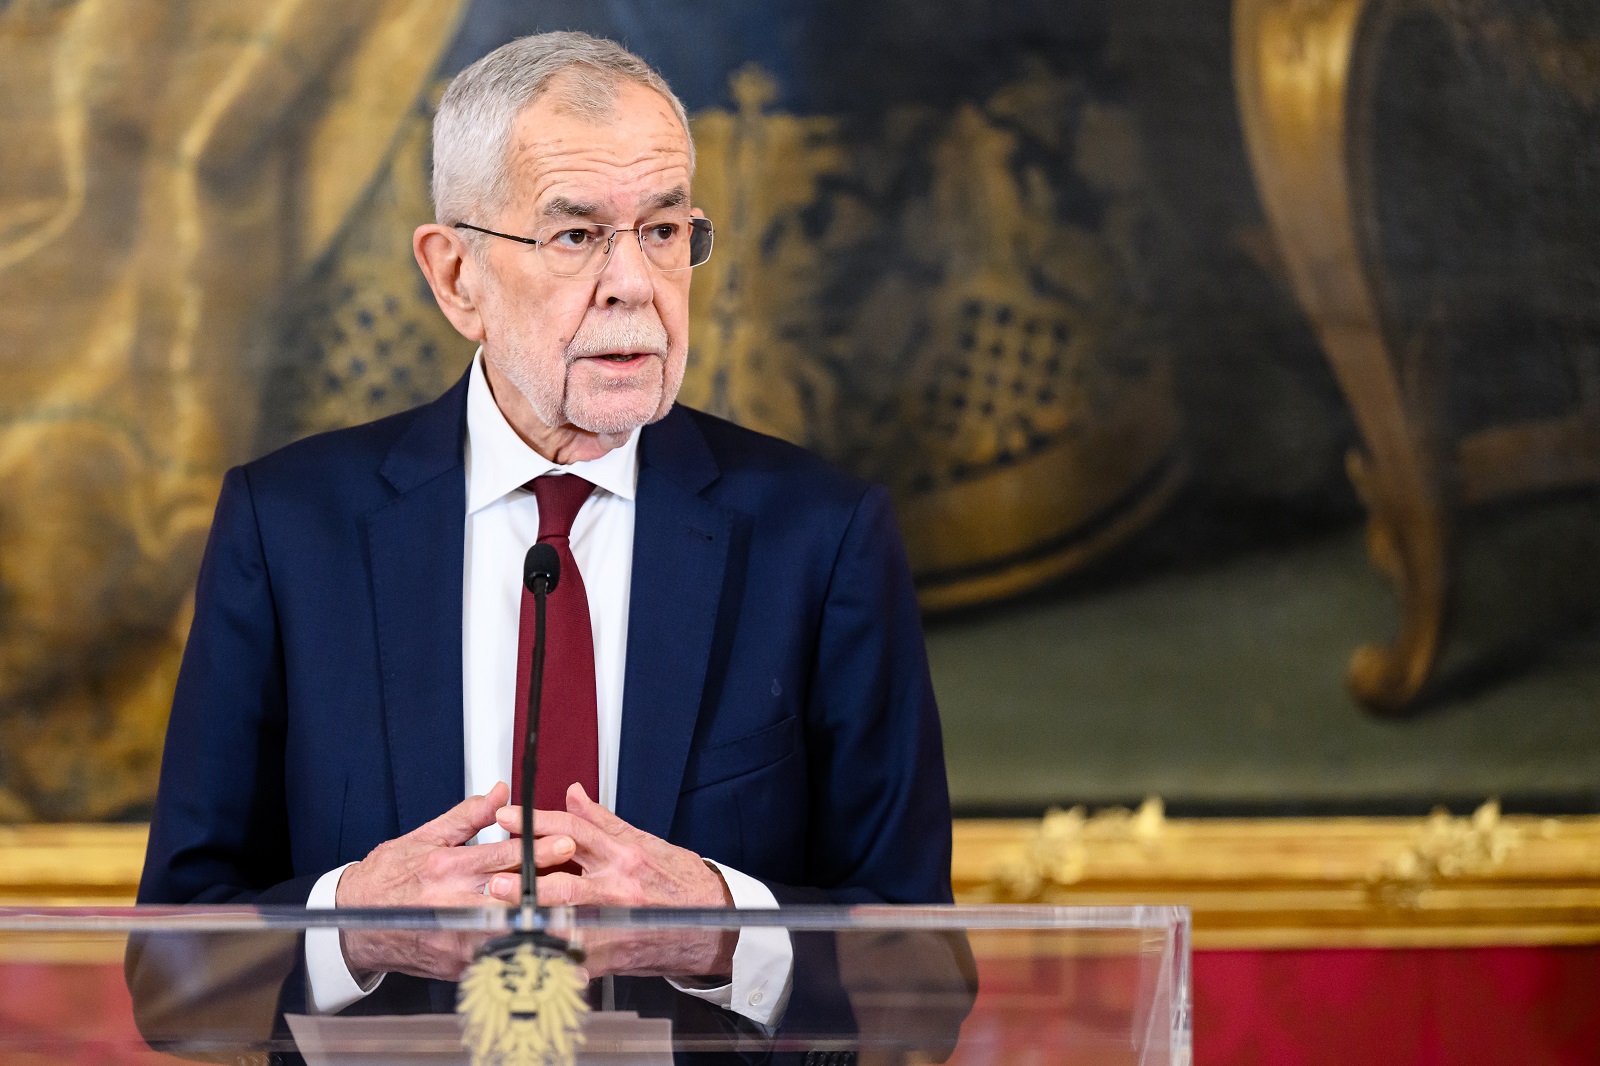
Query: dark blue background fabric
778	714
826	57
695	44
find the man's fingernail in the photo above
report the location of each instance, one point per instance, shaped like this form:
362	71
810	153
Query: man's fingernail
566	846
501	885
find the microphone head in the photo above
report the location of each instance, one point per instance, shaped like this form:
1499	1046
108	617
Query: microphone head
541	562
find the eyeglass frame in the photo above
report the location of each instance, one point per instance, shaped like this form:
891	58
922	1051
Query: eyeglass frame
611	243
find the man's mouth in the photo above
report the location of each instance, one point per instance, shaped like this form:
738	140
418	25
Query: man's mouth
621	358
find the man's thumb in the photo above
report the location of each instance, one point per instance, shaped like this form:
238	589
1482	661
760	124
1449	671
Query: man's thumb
463	821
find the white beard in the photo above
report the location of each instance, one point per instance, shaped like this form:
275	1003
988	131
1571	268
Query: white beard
601	412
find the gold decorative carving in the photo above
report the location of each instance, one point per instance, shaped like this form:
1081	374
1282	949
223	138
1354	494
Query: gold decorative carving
1305	72
70	865
1304	882
1263	882
1445	848
1058	852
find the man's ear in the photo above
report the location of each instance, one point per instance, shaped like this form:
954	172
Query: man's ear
453	275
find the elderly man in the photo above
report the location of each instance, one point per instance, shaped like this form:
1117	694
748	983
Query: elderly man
737	706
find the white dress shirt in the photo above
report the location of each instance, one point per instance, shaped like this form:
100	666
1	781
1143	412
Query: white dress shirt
502	521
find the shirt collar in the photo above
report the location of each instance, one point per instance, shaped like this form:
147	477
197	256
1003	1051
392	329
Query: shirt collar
500	462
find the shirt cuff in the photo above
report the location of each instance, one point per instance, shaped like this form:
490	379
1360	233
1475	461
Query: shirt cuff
330	986
763	959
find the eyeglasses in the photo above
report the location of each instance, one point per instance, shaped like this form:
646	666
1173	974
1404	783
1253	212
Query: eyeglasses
668	243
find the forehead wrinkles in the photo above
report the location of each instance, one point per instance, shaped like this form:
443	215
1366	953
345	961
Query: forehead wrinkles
640	142
544	155
589	173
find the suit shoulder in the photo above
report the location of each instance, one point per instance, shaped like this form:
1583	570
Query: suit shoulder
332	453
413	446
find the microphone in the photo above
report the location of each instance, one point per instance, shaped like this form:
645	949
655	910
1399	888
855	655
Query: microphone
541	563
541	570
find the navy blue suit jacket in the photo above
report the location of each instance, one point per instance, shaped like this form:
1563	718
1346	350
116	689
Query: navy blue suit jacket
778	714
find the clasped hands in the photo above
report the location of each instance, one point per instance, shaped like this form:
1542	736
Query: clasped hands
434	866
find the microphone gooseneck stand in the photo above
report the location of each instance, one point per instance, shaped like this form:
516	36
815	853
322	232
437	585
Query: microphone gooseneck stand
541	571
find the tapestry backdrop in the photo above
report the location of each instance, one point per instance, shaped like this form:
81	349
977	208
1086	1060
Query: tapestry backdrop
1161	321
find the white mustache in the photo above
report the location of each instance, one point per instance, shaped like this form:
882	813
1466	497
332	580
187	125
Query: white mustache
638	334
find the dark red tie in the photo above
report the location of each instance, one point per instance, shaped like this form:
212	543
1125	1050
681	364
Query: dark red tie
569	736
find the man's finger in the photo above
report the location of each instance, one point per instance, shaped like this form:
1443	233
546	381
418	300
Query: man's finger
463	821
589	838
469	900
507	855
487	858
564	890
509	818
579	804
553	851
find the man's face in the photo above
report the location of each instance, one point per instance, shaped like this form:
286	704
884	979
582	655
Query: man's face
606	352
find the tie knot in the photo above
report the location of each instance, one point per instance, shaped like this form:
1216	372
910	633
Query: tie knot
560	496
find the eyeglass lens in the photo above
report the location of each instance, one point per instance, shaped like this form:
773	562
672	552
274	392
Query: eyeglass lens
669	244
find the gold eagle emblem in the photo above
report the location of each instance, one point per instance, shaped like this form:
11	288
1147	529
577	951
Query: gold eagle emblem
523	1011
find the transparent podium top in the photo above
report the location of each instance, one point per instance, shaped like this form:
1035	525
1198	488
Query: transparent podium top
815	985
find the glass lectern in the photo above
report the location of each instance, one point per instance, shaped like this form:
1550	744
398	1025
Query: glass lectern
867	985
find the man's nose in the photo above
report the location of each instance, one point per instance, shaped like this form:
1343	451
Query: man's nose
627	278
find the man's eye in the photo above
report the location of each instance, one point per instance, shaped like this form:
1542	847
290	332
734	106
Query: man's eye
574	238
662	232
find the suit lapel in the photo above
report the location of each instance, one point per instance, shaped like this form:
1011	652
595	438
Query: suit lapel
416	546
680	554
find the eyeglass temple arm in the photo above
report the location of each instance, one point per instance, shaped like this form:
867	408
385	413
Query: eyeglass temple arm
497	233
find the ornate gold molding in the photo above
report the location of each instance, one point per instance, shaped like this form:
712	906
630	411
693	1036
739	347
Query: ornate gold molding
1253	883
70	865
1305	882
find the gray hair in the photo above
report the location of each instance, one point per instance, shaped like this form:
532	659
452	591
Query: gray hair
473	126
